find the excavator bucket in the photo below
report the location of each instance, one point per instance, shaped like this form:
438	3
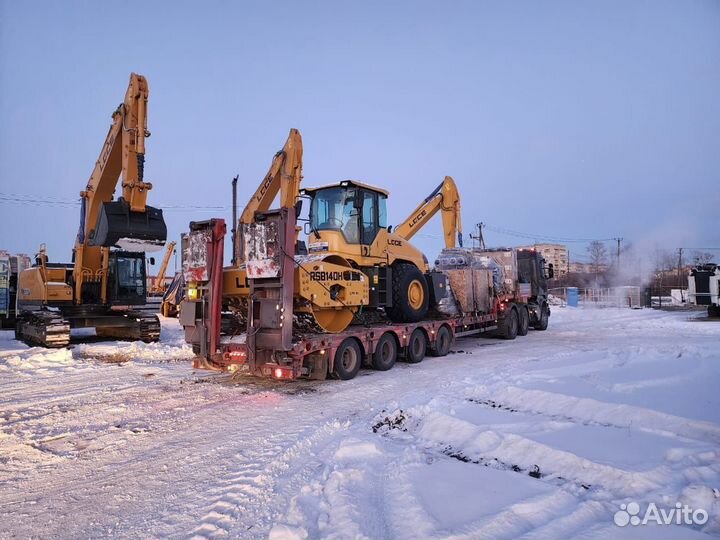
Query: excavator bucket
118	227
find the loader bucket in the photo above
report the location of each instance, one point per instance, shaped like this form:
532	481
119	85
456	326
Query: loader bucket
118	227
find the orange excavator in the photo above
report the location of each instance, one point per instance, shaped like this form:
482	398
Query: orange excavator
106	283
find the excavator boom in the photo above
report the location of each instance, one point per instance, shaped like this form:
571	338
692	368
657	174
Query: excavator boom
127	223
283	177
445	197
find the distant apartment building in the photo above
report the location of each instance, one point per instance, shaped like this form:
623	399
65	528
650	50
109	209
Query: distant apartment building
555	254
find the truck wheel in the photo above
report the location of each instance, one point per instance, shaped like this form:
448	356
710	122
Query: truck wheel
443	340
713	311
385	353
509	327
416	347
410	295
542	324
523	321
348	358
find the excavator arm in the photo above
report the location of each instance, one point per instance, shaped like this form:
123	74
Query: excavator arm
446	198
283	177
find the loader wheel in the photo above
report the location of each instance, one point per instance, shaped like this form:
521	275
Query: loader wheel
348	358
416	347
385	352
542	323
410	295
523	321
443	340
509	326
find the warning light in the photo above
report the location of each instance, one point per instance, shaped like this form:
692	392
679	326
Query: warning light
278	373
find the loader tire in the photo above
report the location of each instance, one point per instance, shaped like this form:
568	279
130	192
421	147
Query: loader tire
509	326
542	323
410	295
385	353
523	321
348	359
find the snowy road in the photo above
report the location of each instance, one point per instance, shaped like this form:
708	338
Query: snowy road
543	437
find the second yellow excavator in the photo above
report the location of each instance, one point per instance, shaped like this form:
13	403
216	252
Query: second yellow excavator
106	283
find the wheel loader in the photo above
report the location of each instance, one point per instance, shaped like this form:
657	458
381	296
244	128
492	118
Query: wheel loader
106	283
349	236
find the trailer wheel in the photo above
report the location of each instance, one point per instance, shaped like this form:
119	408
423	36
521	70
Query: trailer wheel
542	323
713	311
410	294
348	358
416	347
385	353
443	340
523	321
509	325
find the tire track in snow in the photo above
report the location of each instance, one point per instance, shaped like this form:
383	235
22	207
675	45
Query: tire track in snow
593	412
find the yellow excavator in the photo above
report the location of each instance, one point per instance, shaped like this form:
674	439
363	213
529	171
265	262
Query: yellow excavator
158	286
283	178
106	282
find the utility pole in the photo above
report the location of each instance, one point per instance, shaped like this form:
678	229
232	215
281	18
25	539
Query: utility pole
679	268
479	235
618	239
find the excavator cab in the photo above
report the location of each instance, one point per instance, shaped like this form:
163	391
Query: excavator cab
357	211
127	283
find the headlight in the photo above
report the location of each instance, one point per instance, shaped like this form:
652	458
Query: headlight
192	293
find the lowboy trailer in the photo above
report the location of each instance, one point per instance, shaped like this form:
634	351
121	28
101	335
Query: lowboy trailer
504	292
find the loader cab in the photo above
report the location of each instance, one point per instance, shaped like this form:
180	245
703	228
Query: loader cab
127	278
355	210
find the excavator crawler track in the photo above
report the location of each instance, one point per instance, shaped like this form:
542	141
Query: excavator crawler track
140	326
43	328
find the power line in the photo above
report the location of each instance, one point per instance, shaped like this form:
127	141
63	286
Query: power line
546	238
47	201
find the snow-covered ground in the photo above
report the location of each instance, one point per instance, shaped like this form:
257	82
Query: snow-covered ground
542	437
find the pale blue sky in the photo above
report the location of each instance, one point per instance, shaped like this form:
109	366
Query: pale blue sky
565	119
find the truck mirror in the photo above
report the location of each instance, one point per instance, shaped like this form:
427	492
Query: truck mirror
389	229
152	260
551	271
298	208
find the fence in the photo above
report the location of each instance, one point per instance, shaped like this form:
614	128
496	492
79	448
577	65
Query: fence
619	297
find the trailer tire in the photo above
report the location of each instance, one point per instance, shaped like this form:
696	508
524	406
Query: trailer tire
385	354
348	359
410	294
443	340
509	325
523	321
416	347
713	311
542	323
